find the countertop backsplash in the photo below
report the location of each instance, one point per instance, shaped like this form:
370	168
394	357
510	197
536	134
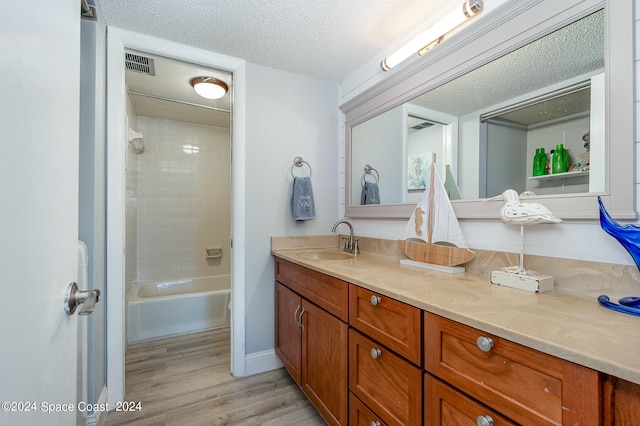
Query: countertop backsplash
583	278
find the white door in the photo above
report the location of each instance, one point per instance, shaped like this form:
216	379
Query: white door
39	90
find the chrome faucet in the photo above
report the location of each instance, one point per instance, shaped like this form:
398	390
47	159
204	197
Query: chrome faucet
350	243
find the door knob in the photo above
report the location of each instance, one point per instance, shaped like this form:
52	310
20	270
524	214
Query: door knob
76	297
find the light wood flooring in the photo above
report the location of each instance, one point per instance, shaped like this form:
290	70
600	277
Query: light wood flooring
185	380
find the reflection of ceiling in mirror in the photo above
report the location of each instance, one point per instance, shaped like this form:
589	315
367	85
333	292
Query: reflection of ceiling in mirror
557	107
571	51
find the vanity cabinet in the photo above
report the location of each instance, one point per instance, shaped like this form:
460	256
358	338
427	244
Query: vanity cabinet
525	385
311	340
366	359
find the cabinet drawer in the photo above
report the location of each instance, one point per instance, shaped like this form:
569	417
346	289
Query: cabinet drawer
443	405
327	292
526	385
392	323
388	384
360	415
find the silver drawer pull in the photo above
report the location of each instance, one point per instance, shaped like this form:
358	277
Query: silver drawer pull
374	423
295	316
484	343
375	300
484	421
375	353
300	318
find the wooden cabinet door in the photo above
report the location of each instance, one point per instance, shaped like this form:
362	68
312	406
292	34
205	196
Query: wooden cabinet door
324	363
445	406
288	331
621	402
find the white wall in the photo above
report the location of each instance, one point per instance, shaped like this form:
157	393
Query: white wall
583	240
287	115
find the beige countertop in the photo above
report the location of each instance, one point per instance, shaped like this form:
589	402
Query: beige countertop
569	326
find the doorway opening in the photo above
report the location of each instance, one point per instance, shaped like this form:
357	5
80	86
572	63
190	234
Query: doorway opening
177	199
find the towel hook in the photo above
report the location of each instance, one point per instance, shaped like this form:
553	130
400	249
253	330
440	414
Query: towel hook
368	170
299	162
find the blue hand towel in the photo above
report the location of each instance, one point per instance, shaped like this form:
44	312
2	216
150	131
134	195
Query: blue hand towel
370	194
302	204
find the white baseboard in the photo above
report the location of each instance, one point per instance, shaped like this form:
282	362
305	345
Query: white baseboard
259	362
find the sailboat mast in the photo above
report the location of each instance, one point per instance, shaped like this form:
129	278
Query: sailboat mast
431	189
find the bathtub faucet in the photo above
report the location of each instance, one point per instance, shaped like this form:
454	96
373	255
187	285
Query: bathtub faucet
350	243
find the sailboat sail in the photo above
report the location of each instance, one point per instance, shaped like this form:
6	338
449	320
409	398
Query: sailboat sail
433	234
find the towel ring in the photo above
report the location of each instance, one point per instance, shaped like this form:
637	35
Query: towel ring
368	170
299	162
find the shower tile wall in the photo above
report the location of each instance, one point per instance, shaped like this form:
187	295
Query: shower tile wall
183	200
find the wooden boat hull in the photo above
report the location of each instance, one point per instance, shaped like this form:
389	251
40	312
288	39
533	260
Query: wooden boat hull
435	254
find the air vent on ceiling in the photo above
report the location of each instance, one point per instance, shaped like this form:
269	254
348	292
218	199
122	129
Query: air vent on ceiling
138	63
418	123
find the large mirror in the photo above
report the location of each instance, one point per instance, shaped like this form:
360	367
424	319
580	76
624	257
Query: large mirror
501	123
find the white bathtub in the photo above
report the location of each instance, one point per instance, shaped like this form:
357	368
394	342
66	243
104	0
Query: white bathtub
158	309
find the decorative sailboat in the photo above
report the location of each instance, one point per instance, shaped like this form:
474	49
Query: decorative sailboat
434	220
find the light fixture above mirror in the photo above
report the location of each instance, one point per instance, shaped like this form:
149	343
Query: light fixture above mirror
434	35
209	87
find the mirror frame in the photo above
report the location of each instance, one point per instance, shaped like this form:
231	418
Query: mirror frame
507	28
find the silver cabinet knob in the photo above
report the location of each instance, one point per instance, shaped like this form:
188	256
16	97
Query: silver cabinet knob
375	353
375	300
484	421
484	343
76	297
374	423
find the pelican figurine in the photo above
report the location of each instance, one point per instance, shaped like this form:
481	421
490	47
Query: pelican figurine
515	212
627	235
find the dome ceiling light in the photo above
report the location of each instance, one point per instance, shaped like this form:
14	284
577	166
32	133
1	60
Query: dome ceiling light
209	87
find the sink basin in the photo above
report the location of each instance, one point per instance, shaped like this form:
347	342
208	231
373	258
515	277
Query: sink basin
325	255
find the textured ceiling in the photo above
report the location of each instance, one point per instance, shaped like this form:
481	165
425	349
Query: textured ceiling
330	39
569	52
325	39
